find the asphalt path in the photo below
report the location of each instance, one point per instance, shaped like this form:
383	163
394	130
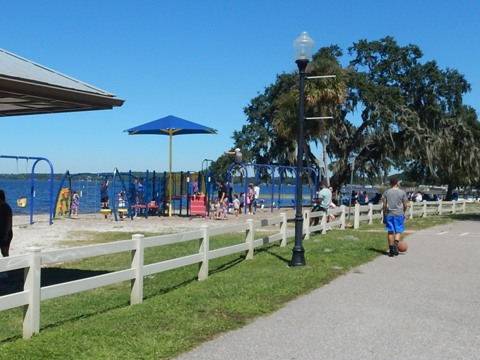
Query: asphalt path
424	304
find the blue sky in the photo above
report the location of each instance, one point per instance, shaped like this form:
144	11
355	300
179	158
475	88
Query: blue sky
200	60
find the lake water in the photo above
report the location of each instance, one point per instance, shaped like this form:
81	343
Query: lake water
15	189
281	196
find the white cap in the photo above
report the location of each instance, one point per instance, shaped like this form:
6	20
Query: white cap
237	150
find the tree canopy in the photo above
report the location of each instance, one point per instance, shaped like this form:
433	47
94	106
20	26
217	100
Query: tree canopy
389	111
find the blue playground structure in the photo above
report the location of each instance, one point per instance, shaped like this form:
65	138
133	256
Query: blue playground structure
277	189
135	194
125	197
30	199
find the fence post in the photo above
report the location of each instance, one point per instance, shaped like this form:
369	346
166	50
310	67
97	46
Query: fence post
370	214
356	219
464	206
439	211
454	207
249	239
324	223
306	224
343	216
204	249
136	284
424	208
32	284
411	210
283	229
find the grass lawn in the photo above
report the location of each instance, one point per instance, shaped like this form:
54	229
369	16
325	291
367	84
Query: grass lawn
179	312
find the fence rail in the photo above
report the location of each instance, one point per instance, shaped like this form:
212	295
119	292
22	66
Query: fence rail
31	262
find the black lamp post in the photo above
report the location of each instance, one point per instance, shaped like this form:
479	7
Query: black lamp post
303	46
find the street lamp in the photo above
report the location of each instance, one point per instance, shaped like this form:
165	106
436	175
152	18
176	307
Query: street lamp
302	46
352	170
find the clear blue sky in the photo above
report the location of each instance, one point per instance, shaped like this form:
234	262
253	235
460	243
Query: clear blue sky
200	60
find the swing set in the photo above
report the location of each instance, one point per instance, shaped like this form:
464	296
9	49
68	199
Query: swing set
275	182
24	199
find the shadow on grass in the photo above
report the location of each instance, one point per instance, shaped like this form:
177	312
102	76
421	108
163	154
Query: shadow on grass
53	276
465	217
266	249
380	251
50	276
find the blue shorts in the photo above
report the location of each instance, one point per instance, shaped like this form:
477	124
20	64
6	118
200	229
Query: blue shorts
395	223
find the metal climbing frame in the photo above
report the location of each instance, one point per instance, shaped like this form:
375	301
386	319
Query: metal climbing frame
272	169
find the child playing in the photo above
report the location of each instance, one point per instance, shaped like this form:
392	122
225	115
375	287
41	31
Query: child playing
75	202
236	204
220	209
242	202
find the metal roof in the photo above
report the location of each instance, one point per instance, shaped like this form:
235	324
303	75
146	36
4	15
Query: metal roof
27	88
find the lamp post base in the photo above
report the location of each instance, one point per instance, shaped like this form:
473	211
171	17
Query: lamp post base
298	257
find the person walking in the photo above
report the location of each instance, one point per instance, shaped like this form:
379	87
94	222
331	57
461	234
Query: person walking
394	207
6	232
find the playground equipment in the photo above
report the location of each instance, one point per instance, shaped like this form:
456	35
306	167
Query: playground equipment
87	185
130	195
22	201
136	194
271	171
145	193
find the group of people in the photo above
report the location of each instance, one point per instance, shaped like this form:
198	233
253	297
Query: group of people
228	202
136	196
417	196
359	198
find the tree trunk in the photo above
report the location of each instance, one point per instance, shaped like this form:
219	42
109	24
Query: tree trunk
450	189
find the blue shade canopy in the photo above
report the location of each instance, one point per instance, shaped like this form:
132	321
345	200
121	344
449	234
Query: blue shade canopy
170	125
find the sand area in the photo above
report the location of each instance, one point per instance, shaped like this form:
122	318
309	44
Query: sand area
48	237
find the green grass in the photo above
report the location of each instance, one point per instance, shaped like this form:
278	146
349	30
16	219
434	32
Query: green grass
179	312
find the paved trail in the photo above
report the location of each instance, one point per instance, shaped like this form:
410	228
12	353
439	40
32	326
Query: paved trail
424	304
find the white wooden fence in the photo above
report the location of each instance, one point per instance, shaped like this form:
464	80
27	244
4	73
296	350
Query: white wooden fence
33	293
370	212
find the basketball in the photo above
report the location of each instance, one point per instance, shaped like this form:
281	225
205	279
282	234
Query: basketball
402	246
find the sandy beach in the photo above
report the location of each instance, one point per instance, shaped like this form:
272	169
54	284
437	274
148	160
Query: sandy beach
48	237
